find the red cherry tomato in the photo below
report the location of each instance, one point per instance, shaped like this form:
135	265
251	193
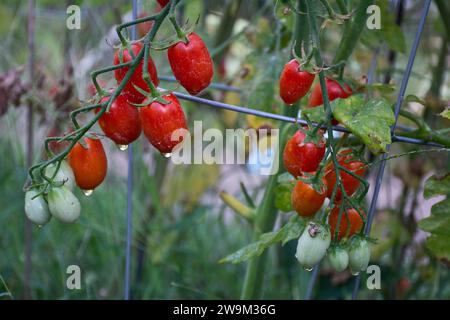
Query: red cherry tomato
294	83
191	64
159	121
352	217
305	200
301	157
89	164
129	90
350	183
334	90
121	123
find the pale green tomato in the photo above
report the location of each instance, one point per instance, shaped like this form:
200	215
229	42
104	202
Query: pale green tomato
312	245
64	174
359	256
338	258
36	209
63	204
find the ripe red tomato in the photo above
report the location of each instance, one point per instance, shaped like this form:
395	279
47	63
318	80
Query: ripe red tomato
302	157
191	64
159	121
294	83
305	200
121	123
350	183
353	218
334	90
163	3
129	90
89	164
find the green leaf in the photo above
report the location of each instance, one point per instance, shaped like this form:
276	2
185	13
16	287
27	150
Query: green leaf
291	230
436	186
316	114
283	190
414	98
438	223
369	121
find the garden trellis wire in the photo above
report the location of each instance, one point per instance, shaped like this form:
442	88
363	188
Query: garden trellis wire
79	132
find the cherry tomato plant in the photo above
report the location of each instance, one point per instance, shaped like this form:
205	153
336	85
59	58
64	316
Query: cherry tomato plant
335	123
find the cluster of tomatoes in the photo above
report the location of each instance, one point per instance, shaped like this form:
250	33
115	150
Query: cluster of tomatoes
302	157
138	108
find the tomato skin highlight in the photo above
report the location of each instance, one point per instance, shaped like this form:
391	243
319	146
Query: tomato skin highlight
89	165
334	90
294	83
305	200
299	157
191	64
159	121
352	217
350	183
129	90
121	123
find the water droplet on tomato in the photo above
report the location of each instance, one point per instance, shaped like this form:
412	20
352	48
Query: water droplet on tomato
87	193
308	269
166	155
122	147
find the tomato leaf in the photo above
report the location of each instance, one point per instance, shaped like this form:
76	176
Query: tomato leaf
291	230
369	121
286	182
436	186
438	223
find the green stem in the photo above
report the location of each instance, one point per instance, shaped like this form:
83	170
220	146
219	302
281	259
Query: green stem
352	33
265	216
225	29
301	31
444	12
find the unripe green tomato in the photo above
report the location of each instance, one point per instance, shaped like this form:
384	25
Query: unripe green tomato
64	174
338	258
36	209
312	245
63	204
359	256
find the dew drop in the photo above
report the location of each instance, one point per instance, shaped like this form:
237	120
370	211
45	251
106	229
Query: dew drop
39	226
308	269
166	155
122	147
87	193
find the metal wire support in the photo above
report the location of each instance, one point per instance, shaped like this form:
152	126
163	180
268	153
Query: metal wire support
284	118
129	194
398	105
